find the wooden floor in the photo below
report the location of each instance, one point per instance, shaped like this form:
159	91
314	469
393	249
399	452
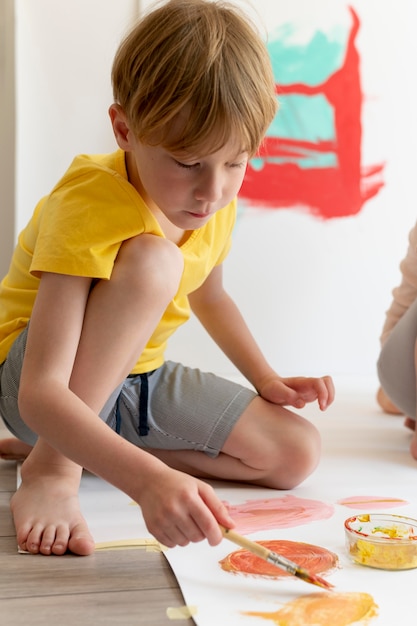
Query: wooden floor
123	587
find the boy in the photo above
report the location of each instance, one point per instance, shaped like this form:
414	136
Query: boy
109	266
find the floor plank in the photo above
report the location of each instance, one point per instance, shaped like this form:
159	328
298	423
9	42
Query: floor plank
120	607
124	587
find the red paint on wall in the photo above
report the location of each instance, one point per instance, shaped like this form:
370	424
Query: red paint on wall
327	192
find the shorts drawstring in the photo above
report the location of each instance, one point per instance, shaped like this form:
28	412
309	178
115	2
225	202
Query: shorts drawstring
143	426
118	416
143	405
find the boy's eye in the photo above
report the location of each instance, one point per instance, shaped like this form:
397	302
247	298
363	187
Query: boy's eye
186	166
189	166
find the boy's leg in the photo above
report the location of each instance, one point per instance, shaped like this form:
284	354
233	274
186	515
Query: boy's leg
212	427
45	508
59	483
121	315
269	446
13	449
18	447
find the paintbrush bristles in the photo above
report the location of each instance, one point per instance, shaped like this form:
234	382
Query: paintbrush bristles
313	579
276	559
296	570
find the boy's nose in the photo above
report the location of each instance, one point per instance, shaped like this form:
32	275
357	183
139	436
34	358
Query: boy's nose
209	188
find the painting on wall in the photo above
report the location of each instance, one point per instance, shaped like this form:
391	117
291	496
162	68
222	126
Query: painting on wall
312	154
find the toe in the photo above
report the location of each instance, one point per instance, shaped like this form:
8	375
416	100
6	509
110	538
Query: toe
81	542
48	540
33	540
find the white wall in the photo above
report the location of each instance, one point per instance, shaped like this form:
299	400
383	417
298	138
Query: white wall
7	133
64	56
314	292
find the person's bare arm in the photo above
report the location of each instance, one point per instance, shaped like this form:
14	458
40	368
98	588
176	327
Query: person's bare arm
222	319
177	508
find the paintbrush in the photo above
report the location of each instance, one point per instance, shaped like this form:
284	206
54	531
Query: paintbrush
276	559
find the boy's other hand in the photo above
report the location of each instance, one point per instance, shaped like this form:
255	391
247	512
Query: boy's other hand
298	391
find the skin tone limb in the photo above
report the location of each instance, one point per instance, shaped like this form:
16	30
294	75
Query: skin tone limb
411	423
222	319
385	403
12	449
388	407
67	377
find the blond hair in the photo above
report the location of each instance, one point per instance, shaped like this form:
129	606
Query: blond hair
201	57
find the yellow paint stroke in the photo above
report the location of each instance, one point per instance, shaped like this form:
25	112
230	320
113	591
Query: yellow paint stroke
181	612
151	545
323	609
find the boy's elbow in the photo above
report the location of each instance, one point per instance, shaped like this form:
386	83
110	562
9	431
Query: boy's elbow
27	401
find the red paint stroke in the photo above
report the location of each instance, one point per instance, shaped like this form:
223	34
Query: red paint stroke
323	609
272	513
314	558
327	192
372	502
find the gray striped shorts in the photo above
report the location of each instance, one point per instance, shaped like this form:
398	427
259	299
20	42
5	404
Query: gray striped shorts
172	408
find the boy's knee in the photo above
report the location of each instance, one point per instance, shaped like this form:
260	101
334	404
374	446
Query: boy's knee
305	457
293	465
153	260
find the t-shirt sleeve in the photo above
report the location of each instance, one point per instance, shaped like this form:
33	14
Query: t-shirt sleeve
83	223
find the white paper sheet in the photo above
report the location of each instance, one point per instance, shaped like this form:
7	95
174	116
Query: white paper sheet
365	453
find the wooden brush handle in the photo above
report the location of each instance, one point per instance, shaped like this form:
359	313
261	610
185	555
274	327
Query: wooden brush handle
243	542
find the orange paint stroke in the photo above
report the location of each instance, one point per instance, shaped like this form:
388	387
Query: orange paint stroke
371	502
323	609
274	513
312	558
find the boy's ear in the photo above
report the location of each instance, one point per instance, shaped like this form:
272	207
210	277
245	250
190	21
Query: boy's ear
120	126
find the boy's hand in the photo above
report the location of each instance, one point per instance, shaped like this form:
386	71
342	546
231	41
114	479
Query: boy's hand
179	509
298	391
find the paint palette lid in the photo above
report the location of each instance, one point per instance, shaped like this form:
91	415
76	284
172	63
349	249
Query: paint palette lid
382	541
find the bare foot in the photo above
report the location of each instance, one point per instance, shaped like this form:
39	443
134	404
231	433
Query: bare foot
13	449
413	447
410	423
47	514
385	403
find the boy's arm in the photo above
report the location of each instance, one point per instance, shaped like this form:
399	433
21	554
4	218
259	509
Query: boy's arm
222	319
64	413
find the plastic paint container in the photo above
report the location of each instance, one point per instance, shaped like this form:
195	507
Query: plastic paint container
383	541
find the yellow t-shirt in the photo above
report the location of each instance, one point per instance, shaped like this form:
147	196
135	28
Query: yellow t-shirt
78	230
